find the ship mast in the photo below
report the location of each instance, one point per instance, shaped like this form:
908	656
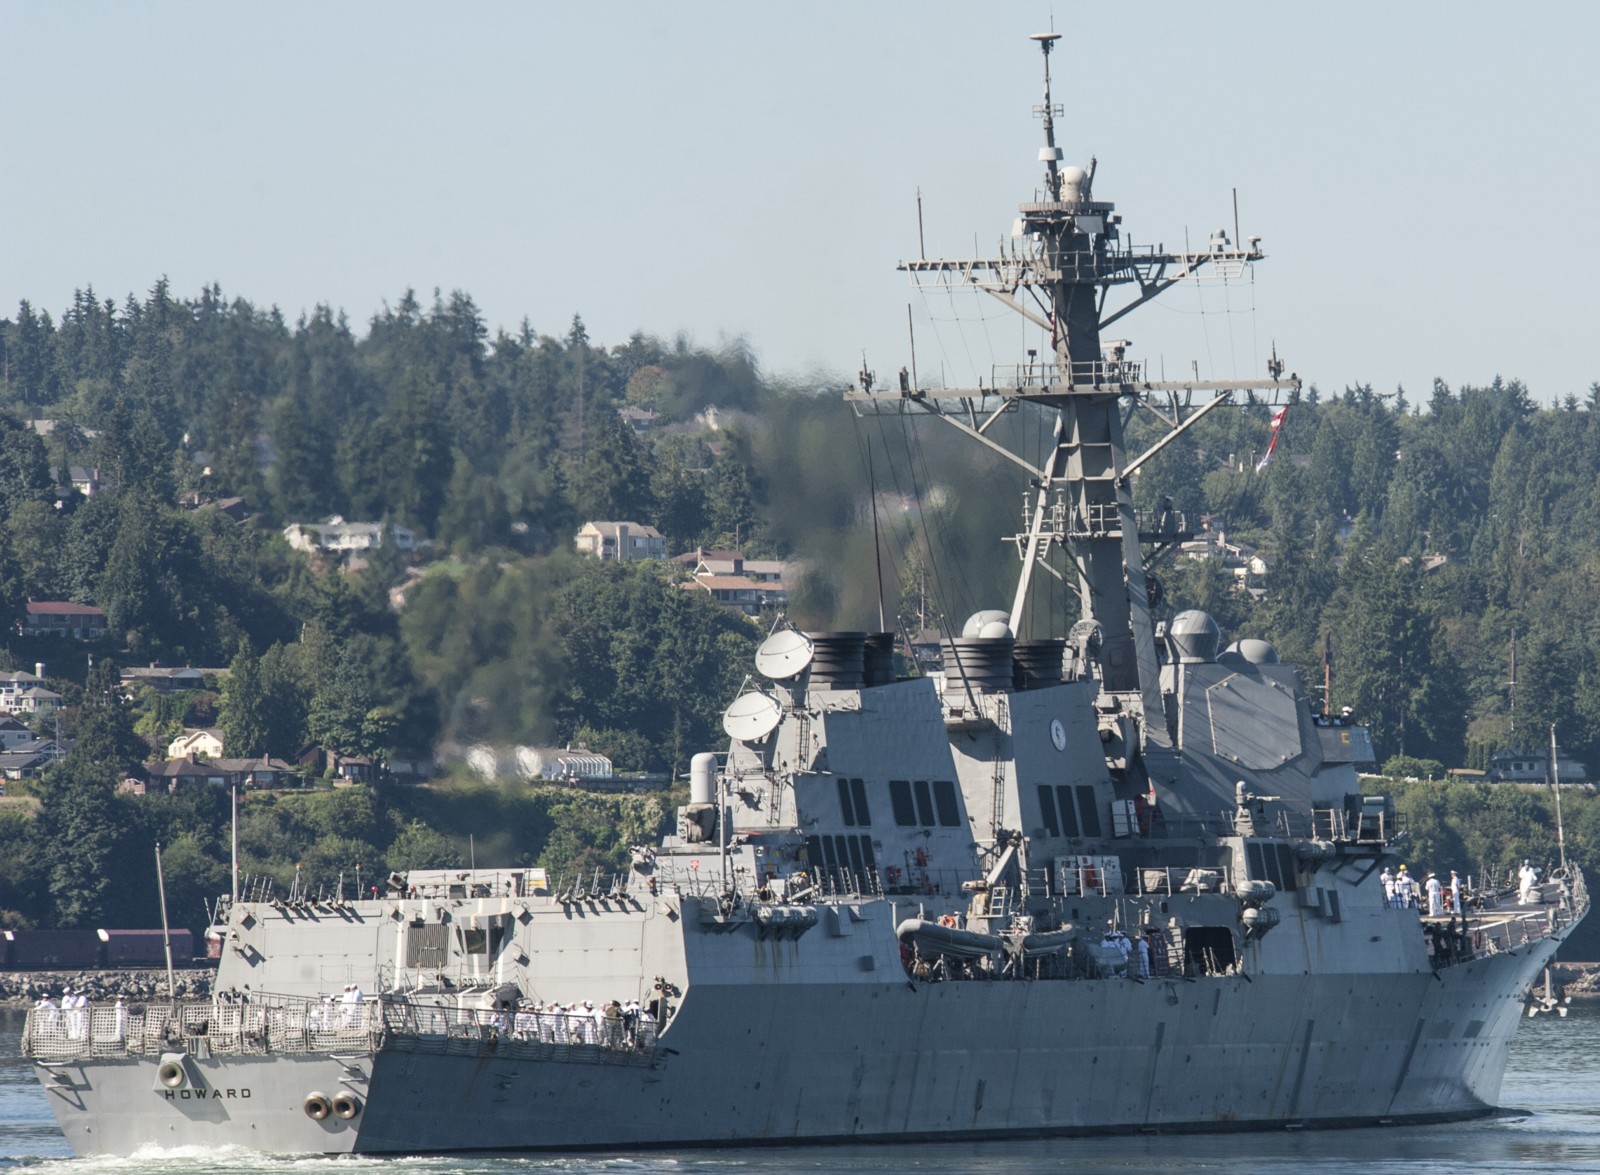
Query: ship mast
1065	260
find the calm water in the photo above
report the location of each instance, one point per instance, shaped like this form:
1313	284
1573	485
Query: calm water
1553	1080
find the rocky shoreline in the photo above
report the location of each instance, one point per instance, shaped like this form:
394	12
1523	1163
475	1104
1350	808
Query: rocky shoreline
25	988
1578	979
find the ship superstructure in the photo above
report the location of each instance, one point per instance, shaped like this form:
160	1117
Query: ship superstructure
1117	879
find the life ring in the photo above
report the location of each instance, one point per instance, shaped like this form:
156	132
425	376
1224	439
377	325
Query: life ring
947	920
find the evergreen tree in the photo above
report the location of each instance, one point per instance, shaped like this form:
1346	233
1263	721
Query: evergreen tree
244	713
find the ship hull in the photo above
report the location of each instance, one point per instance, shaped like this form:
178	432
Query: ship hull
818	1062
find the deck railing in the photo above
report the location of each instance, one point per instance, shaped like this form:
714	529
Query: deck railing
265	1024
292	1025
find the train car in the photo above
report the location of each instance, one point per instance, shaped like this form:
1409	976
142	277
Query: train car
41	950
143	948
44	950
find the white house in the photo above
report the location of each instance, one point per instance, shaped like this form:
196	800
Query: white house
623	541
205	743
334	535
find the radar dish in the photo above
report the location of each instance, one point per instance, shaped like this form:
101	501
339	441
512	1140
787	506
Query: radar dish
752	717
783	655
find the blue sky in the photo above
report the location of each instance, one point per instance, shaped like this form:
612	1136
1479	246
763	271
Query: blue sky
1423	176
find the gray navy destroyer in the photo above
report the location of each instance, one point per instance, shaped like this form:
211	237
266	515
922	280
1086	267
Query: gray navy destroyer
1119	879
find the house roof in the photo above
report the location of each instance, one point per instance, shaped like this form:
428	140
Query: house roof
731	583
22	760
635	529
171	672
242	766
765	567
61	608
184	768
695	556
193	735
189	767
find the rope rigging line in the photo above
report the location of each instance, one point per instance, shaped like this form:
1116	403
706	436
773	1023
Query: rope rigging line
898	553
1227	304
913	451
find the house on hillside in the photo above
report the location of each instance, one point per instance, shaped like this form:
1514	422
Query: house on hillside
63	618
1532	765
204	743
622	541
28	759
347	769
14	734
747	585
169	679
334	536
38	702
14	683
638	419
245	773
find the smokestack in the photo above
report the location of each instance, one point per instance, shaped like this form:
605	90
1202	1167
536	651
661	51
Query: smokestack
38	668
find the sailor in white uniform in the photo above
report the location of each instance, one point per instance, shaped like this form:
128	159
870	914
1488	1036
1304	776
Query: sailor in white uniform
1528	883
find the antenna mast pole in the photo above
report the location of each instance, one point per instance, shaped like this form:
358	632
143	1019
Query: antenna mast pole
1555	781
234	845
166	932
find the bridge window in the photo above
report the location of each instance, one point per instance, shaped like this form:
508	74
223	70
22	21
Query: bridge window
1288	867
1047	809
853	803
905	811
1069	812
924	803
1089	809
944	798
858	791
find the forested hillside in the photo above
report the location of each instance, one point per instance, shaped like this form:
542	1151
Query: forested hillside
1413	535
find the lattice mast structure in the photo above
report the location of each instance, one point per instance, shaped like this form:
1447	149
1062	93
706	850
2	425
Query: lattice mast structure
1067	270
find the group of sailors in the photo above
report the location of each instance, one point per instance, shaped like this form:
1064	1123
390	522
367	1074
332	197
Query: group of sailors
610	1025
1143	955
1401	891
340	1011
1443	898
71	1016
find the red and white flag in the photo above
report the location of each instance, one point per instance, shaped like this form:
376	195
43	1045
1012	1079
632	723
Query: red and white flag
1277	423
